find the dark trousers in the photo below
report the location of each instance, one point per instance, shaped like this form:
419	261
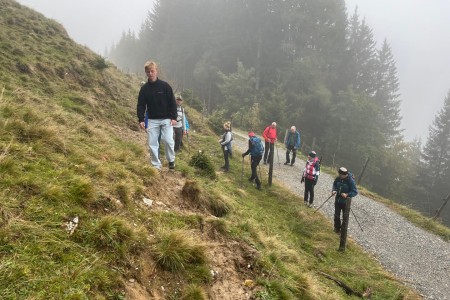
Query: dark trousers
268	150
339	208
309	191
178	133
226	155
254	165
294	154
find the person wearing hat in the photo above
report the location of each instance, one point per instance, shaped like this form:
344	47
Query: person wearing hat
182	125
292	143
270	137
310	176
225	142
256	150
344	188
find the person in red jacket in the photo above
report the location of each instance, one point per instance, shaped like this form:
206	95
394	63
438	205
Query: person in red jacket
270	137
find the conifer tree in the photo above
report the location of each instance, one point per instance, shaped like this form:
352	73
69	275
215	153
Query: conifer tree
436	155
387	95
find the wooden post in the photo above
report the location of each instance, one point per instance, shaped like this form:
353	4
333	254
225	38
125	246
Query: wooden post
344	227
362	172
442	207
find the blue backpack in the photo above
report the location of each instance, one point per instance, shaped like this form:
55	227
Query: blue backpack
258	147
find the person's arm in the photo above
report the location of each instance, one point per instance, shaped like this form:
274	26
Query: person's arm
297	144
334	188
266	138
250	145
141	108
353	190
172	104
227	139
186	125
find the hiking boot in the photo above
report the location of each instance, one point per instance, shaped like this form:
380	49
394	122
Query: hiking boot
305	202
292	164
258	187
251	179
337	230
286	163
265	162
310	205
172	165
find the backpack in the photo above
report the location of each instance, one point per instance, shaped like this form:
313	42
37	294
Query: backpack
257	146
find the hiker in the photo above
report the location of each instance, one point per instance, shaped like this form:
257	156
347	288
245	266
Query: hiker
344	188
310	176
157	99
270	137
182	126
225	142
256	150
292	143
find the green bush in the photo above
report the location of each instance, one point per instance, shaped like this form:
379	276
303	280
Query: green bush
204	164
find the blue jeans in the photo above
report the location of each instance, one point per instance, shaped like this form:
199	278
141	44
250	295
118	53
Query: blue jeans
157	127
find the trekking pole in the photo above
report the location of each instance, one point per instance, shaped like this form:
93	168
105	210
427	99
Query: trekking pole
242	173
356	220
189	143
323	203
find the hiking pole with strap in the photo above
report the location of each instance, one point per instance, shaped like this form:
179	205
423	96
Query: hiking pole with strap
356	220
323	203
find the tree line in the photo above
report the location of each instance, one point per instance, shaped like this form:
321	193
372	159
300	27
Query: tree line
304	63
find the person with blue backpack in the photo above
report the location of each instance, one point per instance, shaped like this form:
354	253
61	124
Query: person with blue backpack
256	151
292	143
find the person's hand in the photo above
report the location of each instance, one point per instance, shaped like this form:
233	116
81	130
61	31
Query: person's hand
344	195
185	132
303	180
333	193
173	122
142	125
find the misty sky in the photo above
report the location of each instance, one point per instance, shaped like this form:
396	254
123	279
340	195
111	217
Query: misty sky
417	30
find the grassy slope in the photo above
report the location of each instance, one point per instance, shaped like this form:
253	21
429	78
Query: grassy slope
69	147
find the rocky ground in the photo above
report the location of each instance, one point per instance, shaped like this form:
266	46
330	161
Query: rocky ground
417	257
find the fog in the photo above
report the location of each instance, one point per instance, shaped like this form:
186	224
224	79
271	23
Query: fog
419	34
417	30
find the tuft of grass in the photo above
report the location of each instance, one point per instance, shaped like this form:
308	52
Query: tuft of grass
216	204
212	201
176	251
116	235
193	292
191	191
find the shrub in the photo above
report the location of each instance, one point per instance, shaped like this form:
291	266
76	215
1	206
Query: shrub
204	164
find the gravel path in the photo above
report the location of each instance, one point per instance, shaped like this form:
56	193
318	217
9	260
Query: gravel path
417	257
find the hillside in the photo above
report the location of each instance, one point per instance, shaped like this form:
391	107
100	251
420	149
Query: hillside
74	176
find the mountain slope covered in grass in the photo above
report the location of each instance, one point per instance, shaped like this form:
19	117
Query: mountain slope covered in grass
74	175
